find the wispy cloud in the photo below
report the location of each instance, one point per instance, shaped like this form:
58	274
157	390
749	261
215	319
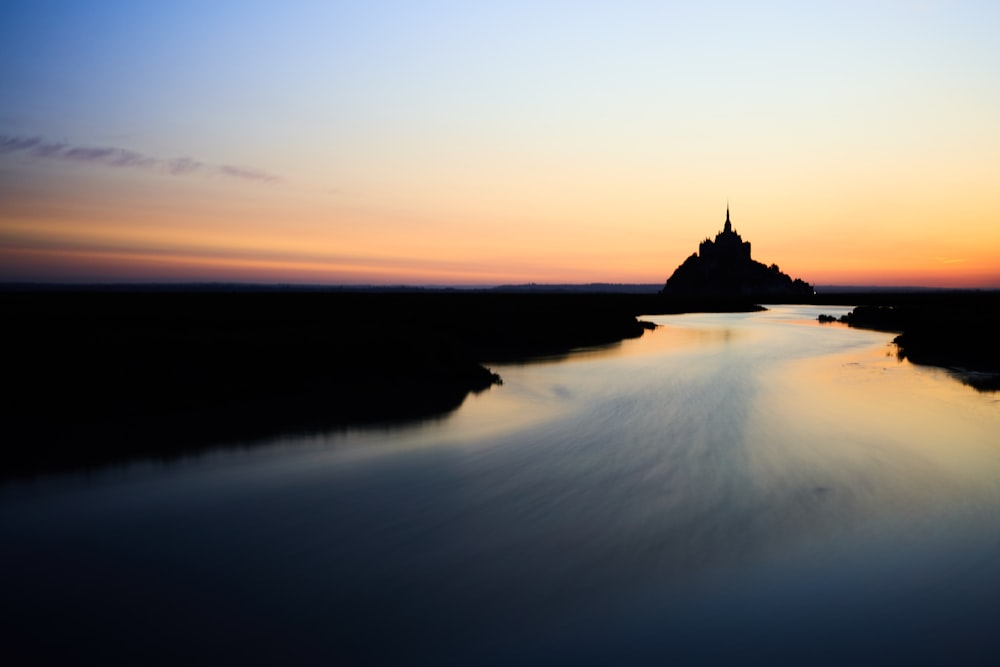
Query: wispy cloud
246	173
183	165
110	156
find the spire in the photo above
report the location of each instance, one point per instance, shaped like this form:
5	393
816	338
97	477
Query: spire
729	225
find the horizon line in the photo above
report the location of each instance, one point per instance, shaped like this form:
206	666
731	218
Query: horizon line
249	285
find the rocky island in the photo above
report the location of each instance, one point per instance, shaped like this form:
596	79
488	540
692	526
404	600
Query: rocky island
724	268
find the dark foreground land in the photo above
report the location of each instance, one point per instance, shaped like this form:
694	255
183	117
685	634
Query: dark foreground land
93	377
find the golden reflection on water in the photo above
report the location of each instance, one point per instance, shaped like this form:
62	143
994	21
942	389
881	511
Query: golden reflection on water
827	424
802	430
671	335
913	416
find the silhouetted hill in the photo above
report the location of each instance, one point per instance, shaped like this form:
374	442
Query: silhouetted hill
723	267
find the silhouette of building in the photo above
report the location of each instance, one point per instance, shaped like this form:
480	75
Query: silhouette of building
728	245
724	267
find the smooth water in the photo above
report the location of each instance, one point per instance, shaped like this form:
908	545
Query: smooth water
728	488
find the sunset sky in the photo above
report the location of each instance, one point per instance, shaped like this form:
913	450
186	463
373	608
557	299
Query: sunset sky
466	143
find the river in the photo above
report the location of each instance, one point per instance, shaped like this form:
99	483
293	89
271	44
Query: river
728	488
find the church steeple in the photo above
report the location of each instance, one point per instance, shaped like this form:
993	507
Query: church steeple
729	226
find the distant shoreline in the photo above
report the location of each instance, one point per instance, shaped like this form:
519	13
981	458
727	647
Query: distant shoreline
822	291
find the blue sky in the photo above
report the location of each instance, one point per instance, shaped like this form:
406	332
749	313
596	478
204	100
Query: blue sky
452	133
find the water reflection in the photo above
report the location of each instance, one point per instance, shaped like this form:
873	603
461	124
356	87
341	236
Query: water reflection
727	487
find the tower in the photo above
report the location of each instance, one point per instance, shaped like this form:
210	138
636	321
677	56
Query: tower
729	226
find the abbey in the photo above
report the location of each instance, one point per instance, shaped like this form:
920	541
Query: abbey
728	245
723	267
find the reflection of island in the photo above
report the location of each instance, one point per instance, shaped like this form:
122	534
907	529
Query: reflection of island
723	267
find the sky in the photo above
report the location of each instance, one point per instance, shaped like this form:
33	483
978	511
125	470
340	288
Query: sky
483	143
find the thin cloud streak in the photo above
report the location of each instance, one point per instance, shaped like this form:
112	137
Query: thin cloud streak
246	173
110	156
183	165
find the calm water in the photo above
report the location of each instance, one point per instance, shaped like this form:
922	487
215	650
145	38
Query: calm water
727	488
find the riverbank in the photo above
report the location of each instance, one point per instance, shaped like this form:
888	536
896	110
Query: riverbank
98	377
953	330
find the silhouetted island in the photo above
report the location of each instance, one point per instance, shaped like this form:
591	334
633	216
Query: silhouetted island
724	268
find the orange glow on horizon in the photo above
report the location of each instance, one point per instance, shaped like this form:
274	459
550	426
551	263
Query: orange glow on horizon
225	264
203	232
